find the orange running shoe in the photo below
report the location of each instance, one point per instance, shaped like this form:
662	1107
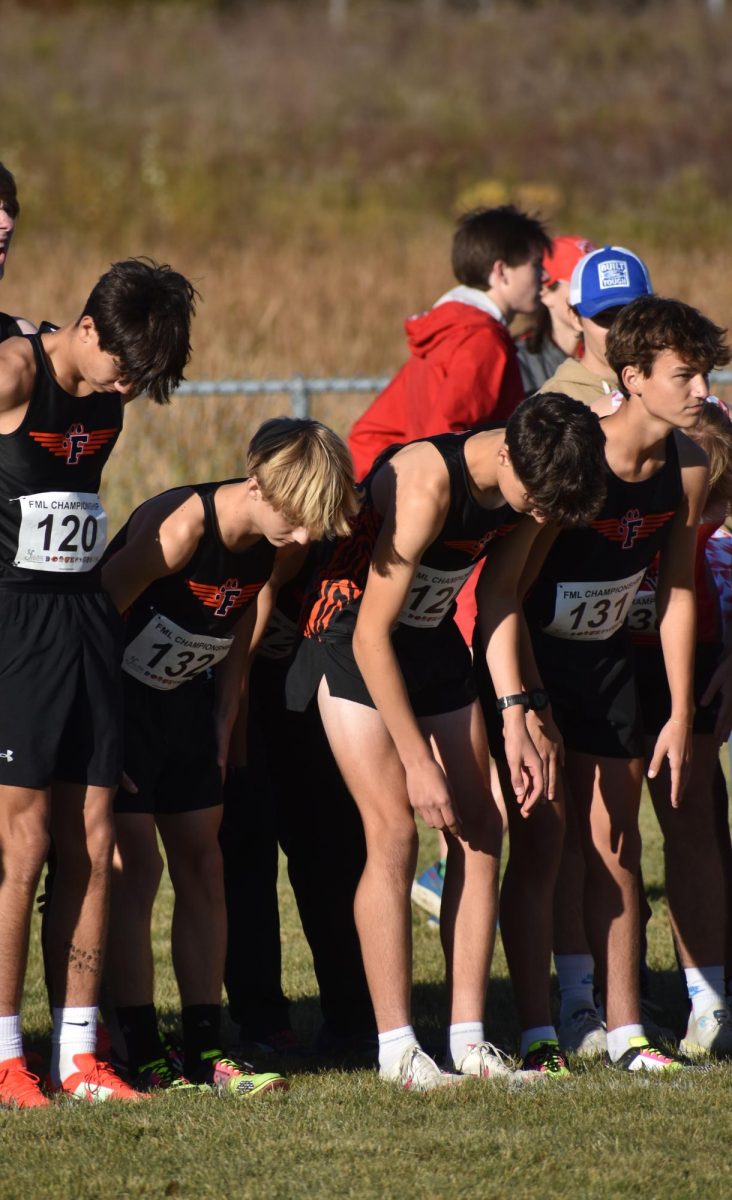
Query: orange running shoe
95	1081
19	1088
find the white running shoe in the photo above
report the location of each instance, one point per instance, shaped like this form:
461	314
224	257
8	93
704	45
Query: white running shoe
417	1072
711	1033
583	1033
483	1060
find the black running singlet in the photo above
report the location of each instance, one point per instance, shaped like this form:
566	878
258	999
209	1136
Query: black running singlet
183	624
53	527
586	586
446	563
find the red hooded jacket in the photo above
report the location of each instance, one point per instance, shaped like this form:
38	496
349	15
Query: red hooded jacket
463	371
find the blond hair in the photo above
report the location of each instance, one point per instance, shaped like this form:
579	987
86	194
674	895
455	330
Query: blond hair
713	433
305	471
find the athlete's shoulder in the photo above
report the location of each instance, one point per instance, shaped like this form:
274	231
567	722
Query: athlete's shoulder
17	372
690	452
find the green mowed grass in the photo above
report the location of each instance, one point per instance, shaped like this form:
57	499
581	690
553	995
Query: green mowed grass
343	1133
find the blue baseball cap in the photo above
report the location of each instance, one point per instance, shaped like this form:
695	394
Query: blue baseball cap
608	278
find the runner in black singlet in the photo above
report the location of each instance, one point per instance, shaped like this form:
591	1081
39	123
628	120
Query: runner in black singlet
187	570
61	402
576	614
395	690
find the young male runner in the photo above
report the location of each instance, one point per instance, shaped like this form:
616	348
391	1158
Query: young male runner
62	396
661	352
394	683
463	367
696	834
187	569
9	211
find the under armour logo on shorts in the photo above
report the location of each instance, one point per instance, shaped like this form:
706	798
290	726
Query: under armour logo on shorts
8	754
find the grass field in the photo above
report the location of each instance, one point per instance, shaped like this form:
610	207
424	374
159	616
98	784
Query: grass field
344	1134
306	178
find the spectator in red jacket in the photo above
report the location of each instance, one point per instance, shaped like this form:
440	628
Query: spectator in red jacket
463	368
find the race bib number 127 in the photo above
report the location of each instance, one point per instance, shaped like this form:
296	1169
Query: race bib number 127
593	611
432	595
61	531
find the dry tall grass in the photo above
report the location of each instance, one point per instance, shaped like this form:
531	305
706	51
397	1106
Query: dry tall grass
307	179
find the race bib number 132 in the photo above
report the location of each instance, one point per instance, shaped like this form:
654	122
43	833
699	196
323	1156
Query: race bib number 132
61	531
593	611
164	655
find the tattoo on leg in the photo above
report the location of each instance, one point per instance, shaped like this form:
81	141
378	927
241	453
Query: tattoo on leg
86	962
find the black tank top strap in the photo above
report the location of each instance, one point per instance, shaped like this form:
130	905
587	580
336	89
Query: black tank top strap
9	327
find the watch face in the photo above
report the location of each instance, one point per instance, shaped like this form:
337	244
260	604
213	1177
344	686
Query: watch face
538	699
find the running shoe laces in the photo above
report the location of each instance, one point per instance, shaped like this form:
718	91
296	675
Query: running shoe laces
19	1087
545	1058
94	1081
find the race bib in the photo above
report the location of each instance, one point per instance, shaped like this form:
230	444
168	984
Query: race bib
643	617
61	531
431	595
279	637
592	611
164	656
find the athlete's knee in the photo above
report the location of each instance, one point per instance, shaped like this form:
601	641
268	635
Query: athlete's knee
392	845
197	870
23	855
136	876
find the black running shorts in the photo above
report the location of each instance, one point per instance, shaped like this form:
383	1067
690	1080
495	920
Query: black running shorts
170	748
60	692
436	665
593	693
655	698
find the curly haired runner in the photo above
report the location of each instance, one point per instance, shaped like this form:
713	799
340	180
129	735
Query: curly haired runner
661	351
395	689
62	398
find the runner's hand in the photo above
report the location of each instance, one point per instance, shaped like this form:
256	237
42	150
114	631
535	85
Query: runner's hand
549	745
525	765
673	743
430	796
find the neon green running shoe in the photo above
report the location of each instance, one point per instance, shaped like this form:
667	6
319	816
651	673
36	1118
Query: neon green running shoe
229	1076
641	1056
545	1059
163	1075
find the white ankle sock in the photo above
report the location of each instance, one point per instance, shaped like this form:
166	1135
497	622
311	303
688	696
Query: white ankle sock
618	1040
705	986
575	973
392	1045
462	1035
74	1032
11	1041
539	1033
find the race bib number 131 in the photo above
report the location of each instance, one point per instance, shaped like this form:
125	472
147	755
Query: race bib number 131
61	531
592	611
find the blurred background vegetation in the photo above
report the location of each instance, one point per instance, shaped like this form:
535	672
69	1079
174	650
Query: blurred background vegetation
303	161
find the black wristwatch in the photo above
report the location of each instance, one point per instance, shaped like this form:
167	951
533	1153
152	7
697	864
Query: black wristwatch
538	699
521	698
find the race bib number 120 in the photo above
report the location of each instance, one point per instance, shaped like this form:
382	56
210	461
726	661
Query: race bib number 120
61	531
592	611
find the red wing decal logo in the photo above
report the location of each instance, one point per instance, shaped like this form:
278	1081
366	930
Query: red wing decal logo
632	526
476	547
224	597
75	443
